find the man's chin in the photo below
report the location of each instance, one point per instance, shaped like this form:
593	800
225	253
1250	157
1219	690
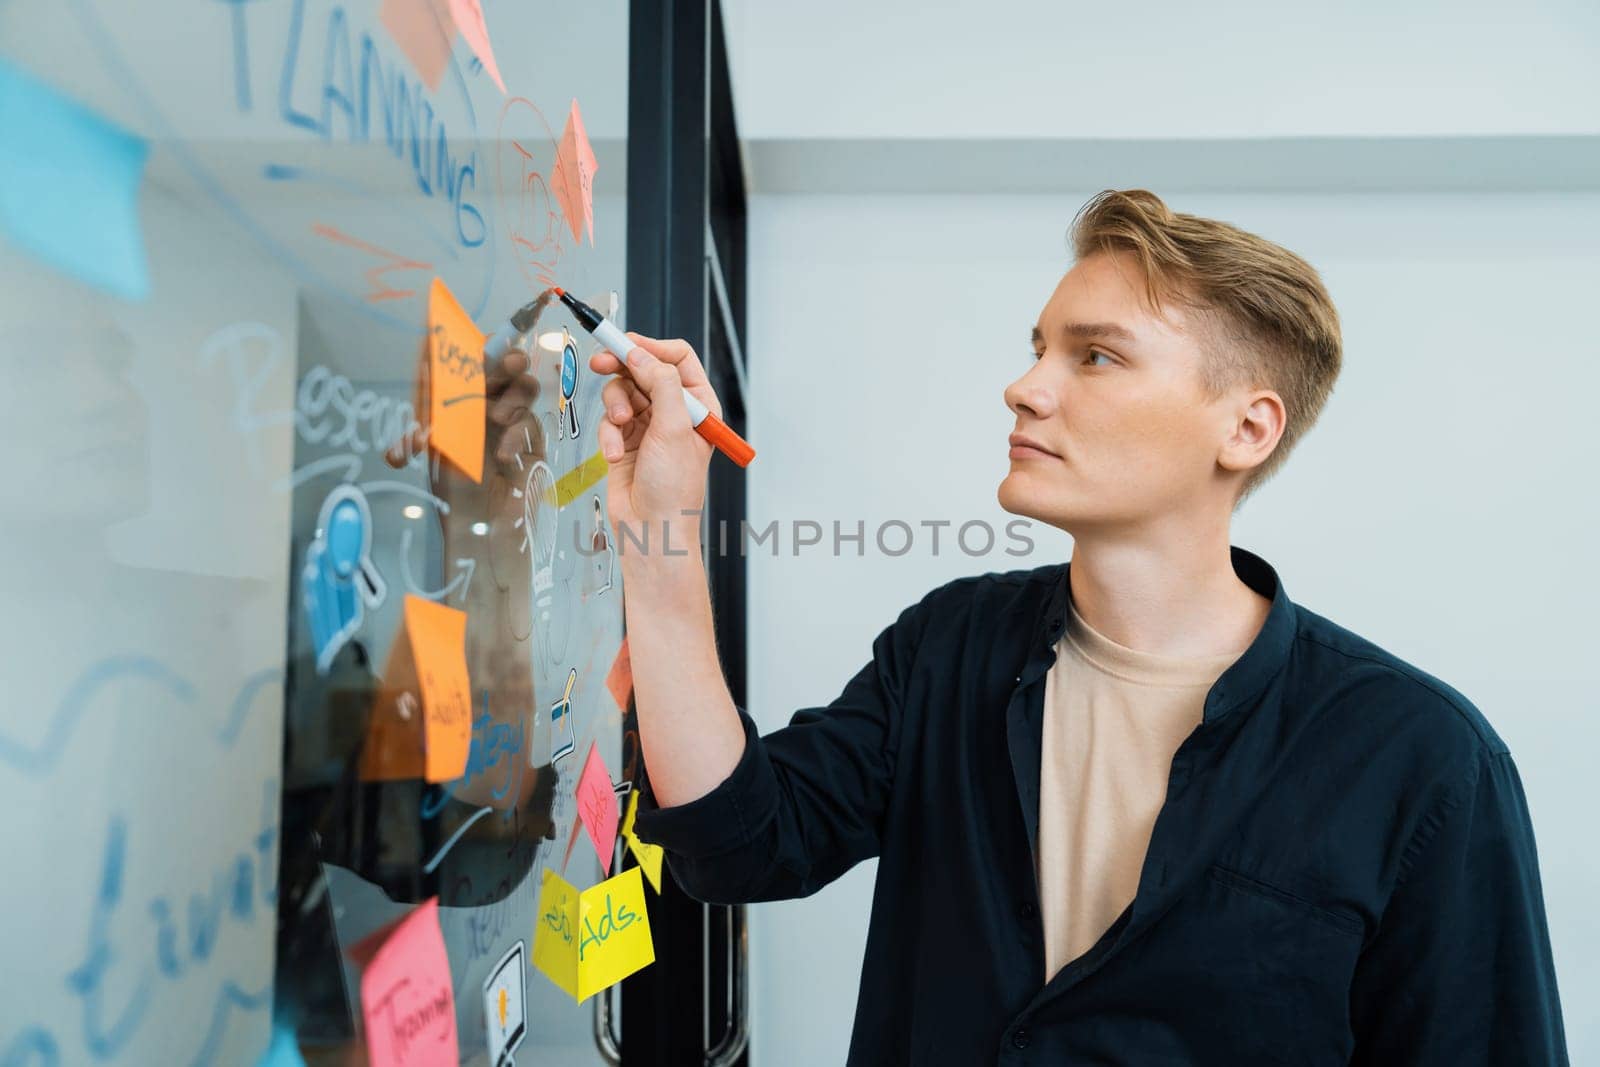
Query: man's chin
1017	496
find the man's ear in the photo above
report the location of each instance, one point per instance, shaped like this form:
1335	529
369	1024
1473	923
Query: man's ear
1257	428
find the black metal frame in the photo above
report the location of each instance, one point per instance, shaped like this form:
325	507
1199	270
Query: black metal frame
686	278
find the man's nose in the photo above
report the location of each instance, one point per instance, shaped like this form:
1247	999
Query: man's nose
1031	394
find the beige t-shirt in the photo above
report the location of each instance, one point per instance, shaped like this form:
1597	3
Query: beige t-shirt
1113	718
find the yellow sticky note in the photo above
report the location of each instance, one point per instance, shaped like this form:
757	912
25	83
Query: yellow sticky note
555	937
438	636
456	402
590	940
648	855
613	932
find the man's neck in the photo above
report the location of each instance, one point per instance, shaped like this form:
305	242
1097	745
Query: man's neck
1177	598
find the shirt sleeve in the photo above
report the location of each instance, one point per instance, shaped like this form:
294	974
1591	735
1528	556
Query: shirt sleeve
1459	971
806	802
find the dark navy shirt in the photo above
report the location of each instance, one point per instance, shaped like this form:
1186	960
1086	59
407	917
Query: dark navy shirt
1343	870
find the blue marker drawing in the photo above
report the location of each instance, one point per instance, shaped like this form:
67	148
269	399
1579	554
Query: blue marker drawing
339	576
69	186
229	998
244	701
283	172
109	54
34	1047
428	868
284	1050
241	55
567	409
561	739
41	759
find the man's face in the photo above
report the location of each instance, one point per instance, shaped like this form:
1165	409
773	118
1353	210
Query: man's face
1114	399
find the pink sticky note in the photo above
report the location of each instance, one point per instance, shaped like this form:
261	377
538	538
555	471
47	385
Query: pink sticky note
468	17
575	170
597	806
424	30
406	999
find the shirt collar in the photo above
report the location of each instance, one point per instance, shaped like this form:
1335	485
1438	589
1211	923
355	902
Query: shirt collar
1245	678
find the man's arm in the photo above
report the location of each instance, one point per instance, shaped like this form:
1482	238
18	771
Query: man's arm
689	728
791	811
1459	972
742	817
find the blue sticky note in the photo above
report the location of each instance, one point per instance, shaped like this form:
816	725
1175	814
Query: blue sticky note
284	1050
69	186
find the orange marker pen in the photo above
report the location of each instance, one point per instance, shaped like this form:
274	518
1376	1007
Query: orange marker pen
707	425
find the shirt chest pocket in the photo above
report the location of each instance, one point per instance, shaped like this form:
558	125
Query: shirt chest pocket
1335	917
1253	957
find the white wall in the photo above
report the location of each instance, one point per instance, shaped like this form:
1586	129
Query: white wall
1442	507
1249	68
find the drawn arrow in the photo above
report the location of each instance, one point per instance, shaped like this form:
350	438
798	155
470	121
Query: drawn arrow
465	566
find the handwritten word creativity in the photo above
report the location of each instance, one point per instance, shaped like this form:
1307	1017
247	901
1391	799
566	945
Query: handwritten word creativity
241	890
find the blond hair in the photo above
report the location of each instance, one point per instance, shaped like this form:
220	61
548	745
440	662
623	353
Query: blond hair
1271	322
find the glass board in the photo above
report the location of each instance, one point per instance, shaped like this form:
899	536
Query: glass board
243	529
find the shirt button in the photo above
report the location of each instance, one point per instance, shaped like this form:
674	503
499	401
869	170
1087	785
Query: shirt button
1027	910
1021	1039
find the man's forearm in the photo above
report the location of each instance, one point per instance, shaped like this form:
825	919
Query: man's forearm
689	728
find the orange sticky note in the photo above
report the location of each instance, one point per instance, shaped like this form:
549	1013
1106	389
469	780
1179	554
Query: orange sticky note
619	679
455	383
407	1002
424	30
438	636
575	170
468	17
648	855
597	806
393	747
587	941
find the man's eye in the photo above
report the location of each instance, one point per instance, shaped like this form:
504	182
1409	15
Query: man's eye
1096	352
1037	355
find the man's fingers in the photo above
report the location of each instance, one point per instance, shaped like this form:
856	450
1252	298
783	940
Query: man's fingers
659	382
414	438
622	400
524	435
677	352
610	441
503	371
616	442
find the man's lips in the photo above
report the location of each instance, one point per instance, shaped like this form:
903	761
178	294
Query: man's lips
1024	447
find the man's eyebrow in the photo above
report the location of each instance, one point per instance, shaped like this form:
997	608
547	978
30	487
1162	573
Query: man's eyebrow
1089	330
1108	330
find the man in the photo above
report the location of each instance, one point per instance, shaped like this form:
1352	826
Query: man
1140	807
